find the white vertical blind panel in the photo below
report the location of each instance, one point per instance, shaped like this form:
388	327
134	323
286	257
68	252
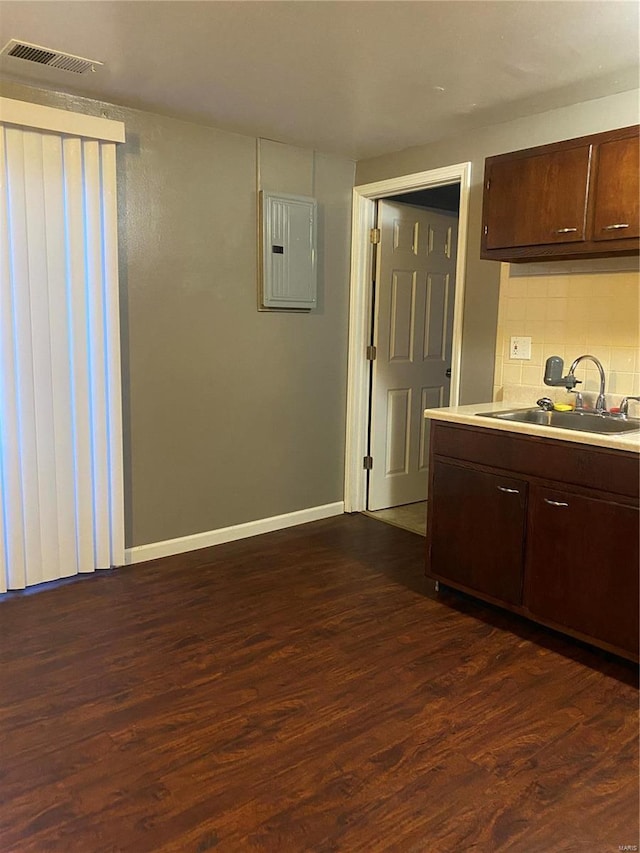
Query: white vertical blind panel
26	514
3	551
78	311
60	354
11	525
112	326
60	406
41	344
97	359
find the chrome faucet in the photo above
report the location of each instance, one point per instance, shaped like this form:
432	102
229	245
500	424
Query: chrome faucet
601	405
624	405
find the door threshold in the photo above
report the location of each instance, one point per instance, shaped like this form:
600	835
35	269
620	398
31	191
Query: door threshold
412	517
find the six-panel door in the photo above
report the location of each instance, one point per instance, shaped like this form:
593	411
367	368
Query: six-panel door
413	332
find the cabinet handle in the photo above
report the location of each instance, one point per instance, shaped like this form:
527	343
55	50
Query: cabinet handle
509	491
555	503
565	230
615	227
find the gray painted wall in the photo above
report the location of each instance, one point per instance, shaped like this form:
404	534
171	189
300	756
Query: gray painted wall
230	414
482	277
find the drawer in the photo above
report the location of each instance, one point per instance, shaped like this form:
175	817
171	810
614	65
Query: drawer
612	471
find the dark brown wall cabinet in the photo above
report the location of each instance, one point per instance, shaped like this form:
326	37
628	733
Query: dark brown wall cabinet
572	199
563	553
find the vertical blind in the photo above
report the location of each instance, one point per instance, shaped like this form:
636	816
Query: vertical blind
61	478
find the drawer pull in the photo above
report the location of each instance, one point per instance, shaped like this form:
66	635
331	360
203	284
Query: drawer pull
616	227
509	491
555	503
565	230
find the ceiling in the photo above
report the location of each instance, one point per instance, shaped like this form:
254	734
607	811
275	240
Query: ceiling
352	77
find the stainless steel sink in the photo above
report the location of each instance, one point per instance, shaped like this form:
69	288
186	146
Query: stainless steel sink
581	421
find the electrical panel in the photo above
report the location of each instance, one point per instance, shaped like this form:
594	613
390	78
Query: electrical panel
288	251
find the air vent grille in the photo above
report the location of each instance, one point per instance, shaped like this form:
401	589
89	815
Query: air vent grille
46	56
33	54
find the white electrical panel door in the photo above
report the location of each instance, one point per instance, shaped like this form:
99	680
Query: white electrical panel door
289	274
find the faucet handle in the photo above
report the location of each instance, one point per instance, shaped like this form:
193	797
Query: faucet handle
579	404
624	405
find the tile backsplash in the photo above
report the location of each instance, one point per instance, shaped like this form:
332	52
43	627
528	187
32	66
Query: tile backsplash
570	315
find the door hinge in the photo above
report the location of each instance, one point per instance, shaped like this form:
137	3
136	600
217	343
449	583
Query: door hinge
371	353
367	463
486	230
374	235
488	184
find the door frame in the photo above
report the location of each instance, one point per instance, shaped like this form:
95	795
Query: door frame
365	197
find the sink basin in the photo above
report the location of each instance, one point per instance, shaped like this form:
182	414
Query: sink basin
581	421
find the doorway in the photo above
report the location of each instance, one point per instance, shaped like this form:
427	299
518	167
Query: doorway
412	330
419	191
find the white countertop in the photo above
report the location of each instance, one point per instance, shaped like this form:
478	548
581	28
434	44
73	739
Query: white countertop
469	415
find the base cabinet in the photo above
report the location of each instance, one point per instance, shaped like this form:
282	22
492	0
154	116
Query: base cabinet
471	506
564	554
582	565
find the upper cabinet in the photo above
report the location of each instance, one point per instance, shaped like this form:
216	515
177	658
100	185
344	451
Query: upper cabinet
572	199
616	190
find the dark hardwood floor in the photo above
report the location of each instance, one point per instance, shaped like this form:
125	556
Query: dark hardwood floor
303	691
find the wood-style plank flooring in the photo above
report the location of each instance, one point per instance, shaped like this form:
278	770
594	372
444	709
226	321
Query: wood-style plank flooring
304	691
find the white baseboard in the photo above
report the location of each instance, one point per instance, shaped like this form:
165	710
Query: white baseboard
140	553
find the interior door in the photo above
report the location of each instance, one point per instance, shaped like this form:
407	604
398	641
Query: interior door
413	327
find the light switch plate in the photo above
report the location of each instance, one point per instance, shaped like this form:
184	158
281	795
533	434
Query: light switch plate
520	348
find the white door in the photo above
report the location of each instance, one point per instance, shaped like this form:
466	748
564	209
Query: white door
413	324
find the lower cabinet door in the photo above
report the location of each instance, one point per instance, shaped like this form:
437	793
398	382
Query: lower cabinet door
476	530
582	565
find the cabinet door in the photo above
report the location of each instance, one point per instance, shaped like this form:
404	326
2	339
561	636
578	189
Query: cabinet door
617	190
477	530
582	565
538	200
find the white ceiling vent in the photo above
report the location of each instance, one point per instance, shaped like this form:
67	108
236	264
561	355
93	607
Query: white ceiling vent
46	56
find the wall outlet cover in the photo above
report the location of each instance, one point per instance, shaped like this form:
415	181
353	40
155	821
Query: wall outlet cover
520	348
